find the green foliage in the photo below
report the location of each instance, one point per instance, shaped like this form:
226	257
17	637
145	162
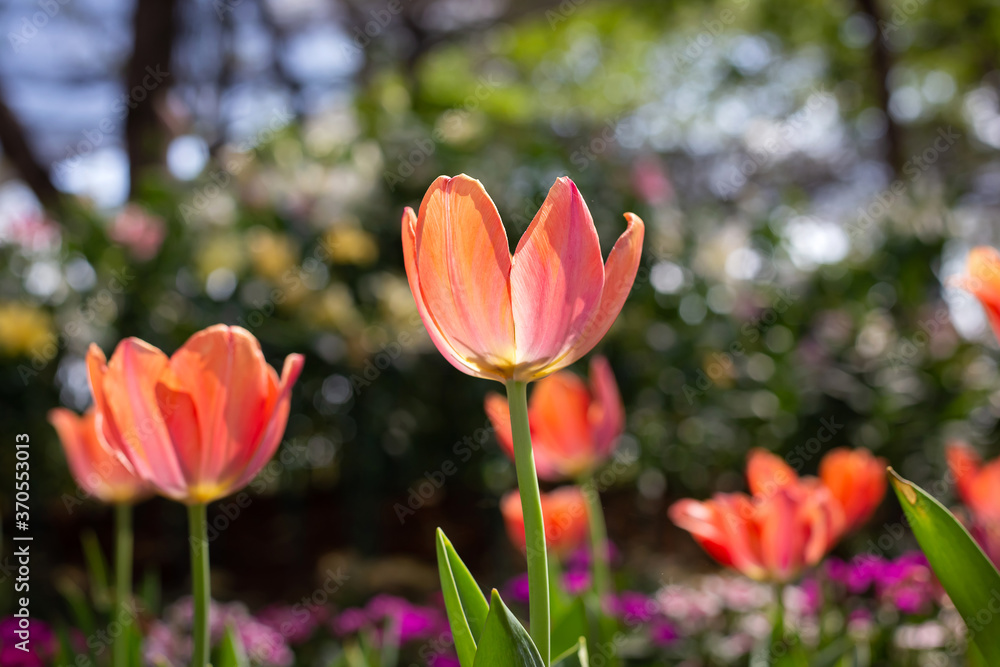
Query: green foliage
971	580
505	642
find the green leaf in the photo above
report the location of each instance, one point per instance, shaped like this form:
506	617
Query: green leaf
231	652
458	617
473	601
505	642
569	627
97	570
576	656
971	580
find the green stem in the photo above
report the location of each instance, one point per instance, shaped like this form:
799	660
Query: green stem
598	541
202	590
123	582
534	526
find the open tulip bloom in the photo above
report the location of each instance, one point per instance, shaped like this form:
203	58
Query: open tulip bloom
789	522
512	318
194	427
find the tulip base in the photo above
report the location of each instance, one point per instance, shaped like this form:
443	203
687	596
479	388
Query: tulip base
534	525
200	582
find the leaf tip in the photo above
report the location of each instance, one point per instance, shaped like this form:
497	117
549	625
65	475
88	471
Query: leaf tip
903	487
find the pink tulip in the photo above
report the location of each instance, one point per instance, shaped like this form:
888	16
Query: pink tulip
201	424
771	537
523	316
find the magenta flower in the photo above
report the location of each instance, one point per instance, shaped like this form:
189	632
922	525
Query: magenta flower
41	643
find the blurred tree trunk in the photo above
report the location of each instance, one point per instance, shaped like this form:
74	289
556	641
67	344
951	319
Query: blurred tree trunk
146	83
882	62
15	145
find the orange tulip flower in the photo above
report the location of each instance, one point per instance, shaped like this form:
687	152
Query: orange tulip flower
767	538
95	467
982	278
564	512
855	478
573	429
198	425
978	484
523	316
789	523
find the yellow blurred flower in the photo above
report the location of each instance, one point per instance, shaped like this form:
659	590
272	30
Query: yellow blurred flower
272	254
220	251
350	245
335	309
26	329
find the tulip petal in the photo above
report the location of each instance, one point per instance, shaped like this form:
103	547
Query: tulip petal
547	467
782	535
824	521
705	523
983	280
461	267
440	341
560	427
223	371
607	412
725	528
856	480
125	395
95	467
964	464
619	276
768	472
178	410
278	409
556	278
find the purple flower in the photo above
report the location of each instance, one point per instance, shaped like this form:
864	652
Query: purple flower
349	621
443	661
575	582
908	583
168	642
411	622
296	624
41	642
663	632
516	589
634	608
419	623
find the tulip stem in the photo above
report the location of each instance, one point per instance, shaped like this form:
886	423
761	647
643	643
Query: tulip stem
201	588
534	525
123	582
598	542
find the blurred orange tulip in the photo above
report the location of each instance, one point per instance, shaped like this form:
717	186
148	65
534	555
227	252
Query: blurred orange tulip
198	425
95	467
573	430
982	278
978	484
564	512
523	316
789	523
857	480
767	538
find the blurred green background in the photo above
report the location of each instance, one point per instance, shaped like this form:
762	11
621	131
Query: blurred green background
810	173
